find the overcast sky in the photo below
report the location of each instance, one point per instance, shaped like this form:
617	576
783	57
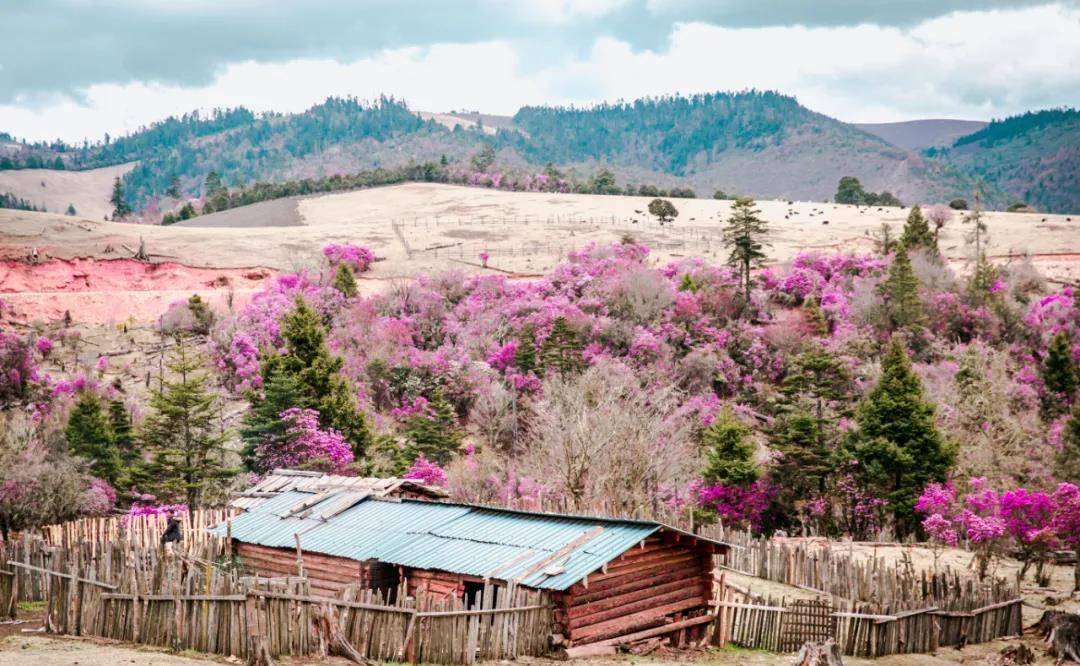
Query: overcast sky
75	69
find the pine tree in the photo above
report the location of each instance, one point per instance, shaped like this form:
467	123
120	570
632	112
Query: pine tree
525	354
816	316
212	185
263	423
561	351
201	314
901	292
898	445
189	453
816	388
744	237
344	281
121	208
819	379
1059	375
307	375
1067	461
123	439
982	279
917	232
729	453
89	436
435	436
174	188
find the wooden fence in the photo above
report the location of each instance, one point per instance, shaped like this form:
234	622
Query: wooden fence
196	598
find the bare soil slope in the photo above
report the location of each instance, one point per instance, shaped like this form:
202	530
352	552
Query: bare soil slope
424	228
88	191
919	134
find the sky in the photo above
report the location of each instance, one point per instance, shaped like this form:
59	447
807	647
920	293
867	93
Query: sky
77	69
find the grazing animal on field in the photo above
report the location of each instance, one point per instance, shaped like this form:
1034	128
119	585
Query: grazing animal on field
1062	631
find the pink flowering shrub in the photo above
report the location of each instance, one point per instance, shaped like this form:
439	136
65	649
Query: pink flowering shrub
426	471
44	345
358	257
305	445
738	506
99	498
139	510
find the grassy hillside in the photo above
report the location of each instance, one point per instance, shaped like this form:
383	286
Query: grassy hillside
1033	158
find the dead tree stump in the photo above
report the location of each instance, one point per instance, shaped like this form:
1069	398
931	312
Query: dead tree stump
819	654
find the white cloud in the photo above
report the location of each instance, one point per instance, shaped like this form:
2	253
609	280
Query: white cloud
968	64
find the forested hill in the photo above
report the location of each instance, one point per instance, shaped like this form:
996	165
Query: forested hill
758	143
668	133
762	144
1035	157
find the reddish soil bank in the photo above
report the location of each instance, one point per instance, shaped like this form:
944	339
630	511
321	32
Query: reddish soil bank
113	290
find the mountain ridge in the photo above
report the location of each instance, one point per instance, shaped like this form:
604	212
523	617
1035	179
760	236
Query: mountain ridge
757	143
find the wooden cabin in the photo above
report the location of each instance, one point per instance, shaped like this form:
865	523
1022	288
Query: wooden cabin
605	578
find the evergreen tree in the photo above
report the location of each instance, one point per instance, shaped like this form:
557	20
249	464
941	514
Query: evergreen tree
189	453
897	445
917	232
71	209
744	236
1059	375
901	292
89	436
123	439
121	208
263	422
561	351
435	436
982	279
819	379
1067	461
201	314
816	316
174	188
306	375
212	185
525	354
729	453
344	281
884	241
806	460
58	164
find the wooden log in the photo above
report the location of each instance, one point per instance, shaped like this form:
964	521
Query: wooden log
583	651
656	631
60	574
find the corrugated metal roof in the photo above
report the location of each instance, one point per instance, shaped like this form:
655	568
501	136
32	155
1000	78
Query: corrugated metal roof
458	538
285	480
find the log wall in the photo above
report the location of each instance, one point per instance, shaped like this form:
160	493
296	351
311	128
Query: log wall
328	575
663	581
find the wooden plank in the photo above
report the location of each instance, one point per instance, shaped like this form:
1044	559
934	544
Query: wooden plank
562	552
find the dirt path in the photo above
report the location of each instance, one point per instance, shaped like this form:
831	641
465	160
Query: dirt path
49	651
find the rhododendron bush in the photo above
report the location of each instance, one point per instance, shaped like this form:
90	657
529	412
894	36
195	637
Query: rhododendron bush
591	385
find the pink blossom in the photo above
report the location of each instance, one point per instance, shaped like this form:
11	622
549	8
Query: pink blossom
427	472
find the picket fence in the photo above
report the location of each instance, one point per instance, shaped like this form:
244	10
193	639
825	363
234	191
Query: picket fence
875	607
196	598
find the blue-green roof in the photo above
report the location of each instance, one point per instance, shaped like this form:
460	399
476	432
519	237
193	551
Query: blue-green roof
464	539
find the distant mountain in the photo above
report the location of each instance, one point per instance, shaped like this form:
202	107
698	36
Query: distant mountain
1033	158
761	144
920	134
756	143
